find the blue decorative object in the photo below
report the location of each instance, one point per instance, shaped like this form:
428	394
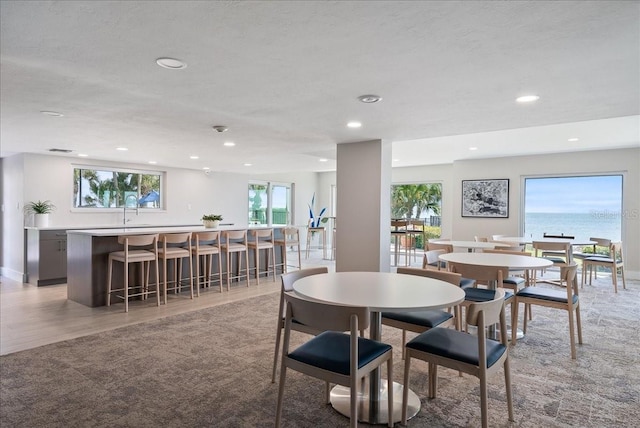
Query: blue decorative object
315	221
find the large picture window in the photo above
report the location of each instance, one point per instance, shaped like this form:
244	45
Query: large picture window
270	203
583	206
114	188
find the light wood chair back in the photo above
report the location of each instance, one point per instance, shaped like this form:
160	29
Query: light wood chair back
614	262
176	247
431	259
287	287
289	238
207	244
235	241
263	240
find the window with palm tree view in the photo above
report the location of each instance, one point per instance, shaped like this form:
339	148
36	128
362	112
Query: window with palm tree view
418	202
101	188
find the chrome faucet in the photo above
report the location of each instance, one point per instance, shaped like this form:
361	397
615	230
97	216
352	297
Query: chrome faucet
124	216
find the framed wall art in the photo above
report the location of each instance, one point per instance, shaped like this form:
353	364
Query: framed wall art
485	198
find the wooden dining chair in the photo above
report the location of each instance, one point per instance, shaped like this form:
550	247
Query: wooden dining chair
614	262
567	300
335	357
420	321
287	287
476	355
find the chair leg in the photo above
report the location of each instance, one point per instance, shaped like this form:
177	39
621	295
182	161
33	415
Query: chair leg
572	334
257	261
579	324
109	275
404	342
126	287
283	372
405	389
507	383
433	380
483	400
276	351
514	321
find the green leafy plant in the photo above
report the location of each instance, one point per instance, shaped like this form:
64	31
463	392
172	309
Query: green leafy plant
212	217
39	207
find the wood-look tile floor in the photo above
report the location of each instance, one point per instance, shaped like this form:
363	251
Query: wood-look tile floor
33	316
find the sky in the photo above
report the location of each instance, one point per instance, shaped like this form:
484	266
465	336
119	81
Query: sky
573	194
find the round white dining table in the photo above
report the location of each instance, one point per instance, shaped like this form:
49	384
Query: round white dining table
473	245
379	291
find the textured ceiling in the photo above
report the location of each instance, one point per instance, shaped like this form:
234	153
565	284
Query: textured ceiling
285	77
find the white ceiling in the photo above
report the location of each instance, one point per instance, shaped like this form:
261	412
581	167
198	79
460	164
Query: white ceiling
285	77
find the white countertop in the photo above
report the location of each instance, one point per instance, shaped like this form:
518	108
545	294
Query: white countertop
156	229
109	226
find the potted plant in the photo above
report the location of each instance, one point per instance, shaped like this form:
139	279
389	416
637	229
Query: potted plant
40	211
211	220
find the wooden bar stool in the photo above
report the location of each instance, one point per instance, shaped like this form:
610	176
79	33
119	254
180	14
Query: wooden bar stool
263	240
290	238
133	253
207	245
176	247
320	230
236	242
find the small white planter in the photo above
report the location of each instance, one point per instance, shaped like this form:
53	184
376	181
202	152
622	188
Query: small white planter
211	224
41	220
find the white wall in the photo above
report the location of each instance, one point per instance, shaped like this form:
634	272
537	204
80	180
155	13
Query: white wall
189	195
625	161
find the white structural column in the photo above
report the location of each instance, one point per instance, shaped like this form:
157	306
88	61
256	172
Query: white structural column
363	215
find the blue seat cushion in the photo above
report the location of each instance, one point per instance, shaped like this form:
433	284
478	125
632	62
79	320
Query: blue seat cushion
467	282
459	346
440	264
429	319
331	351
514	280
601	259
483	295
545	294
556	260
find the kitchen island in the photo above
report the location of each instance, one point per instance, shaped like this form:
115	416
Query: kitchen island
88	254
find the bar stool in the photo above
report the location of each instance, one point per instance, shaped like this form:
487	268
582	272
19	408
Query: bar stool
207	245
320	230
290	238
266	243
132	255
236	242
176	246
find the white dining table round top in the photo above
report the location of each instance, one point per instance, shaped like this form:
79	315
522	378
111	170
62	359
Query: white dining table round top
472	244
525	240
380	291
512	261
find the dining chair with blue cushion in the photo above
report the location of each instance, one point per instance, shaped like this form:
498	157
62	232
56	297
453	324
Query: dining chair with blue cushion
472	354
335	357
614	261
566	299
287	287
420	321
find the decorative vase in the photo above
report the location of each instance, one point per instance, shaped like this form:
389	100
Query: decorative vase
211	224
41	220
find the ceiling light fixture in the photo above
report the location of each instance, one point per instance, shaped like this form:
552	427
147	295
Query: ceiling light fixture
229	143
171	63
153	162
194	157
323	160
574	139
121	149
82	155
369	99
51	113
473	148
527	98
220	128
354	124
248	164
206	168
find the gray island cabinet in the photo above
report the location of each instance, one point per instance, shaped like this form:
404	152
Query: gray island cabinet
46	256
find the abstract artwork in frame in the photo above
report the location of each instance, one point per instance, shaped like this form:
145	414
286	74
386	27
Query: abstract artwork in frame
485	198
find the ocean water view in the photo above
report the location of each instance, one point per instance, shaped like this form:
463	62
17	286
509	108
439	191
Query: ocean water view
600	224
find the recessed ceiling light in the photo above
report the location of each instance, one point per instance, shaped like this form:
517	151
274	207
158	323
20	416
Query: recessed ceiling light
52	113
396	160
473	148
354	124
206	168
122	149
171	63
82	155
248	164
153	162
527	98
369	99
194	157
573	139
323	160
229	143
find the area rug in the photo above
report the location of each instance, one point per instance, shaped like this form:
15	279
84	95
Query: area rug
212	368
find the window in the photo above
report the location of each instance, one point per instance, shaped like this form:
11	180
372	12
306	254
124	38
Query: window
103	188
270	203
584	207
419	201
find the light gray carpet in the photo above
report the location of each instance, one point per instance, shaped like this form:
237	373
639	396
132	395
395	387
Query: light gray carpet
213	368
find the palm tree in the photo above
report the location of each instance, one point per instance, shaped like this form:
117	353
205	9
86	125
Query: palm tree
408	200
